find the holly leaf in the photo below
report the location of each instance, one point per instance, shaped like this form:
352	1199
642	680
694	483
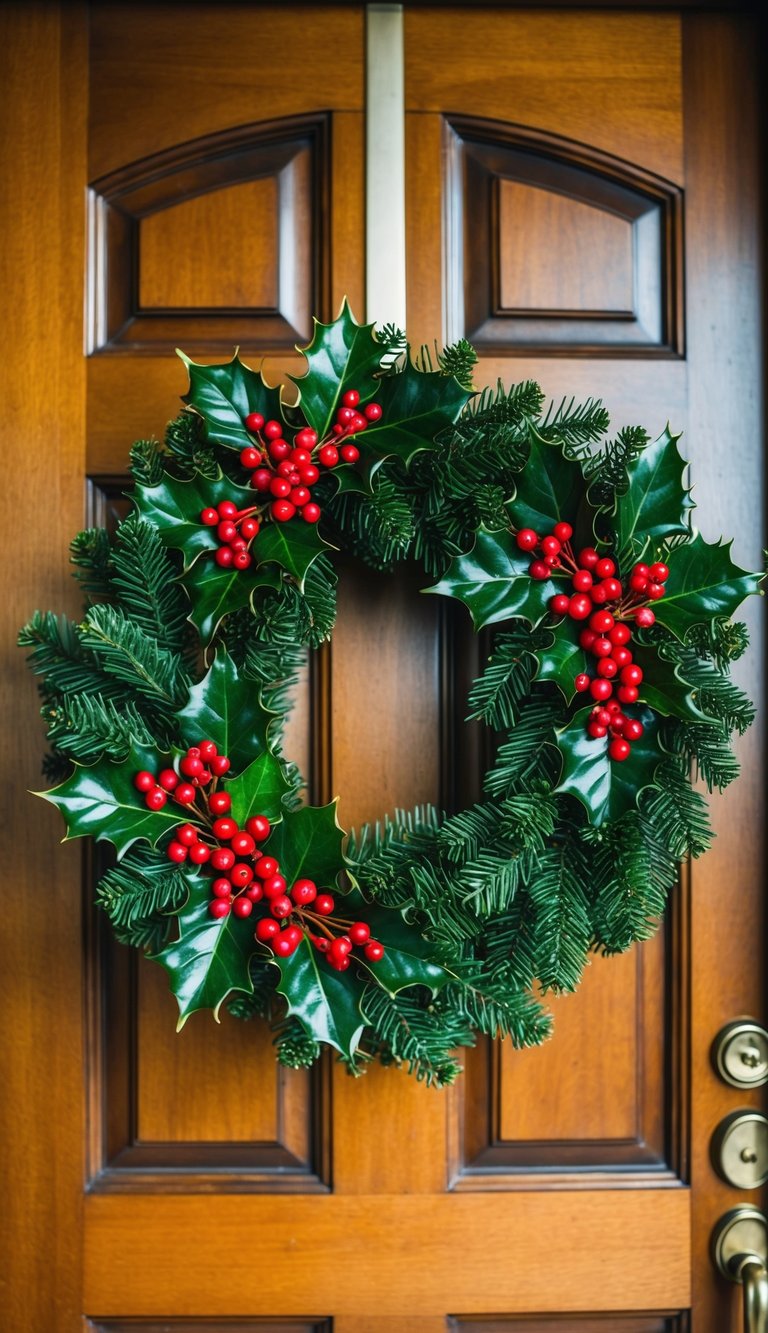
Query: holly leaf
174	508
225	394
564	659
101	802
308	845
342	355
326	1002
656	504
226	708
210	958
703	583
607	788
549	489
663	688
493	581
215	592
407	957
259	789
293	546
416	405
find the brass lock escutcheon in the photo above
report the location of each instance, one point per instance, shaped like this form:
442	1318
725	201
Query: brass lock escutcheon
740	1149
740	1053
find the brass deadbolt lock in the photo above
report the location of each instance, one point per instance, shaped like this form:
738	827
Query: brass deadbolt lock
740	1149
740	1054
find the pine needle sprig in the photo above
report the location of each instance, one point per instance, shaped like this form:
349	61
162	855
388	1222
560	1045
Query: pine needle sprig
139	895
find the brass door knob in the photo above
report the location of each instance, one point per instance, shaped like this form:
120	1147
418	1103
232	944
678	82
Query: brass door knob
740	1252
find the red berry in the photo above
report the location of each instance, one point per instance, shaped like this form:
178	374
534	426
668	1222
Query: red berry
219	907
242	844
300	496
581	683
199	853
266	866
351	398
208	750
631	675
320	943
602	716
374	951
221	888
309	474
345	416
350	453
602	647
358	422
273	430
186	834
242	907
607	668
587	638
628	694
619	749
282	511
219	803
254	892
191	766
241	875
638	582
274	886
620	633
550	546
655	591
222	858
250	457
621	656
299	456
560	603
340	947
311	512
225	557
249	528
582	580
602	622
633	729
527	539
329	455
259	827
596	731
324	904
579	606
599	594
612	589
644	617
281	906
283	945
144	781
563	532
612	706
538	570
176	851
280	487
605	568
306	438
227	509
588	558
155	799
261	479
641	569
360	932
209	517
372	411
219	765
293	933
278	450
224	829
254	421
659	572
184	793
266	929
340	963
304	891
600	689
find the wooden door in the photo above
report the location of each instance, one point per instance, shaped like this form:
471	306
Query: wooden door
193	1186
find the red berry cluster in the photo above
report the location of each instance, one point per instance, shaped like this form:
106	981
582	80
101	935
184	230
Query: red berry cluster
607	720
201	765
550	547
235	529
313	917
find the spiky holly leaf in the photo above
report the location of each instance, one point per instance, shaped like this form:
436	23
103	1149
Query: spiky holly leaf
174	508
564	659
549	489
703	584
416	405
656	504
342	355
210	958
259	790
326	1002
101	802
225	394
493	581
607	788
226	708
308	845
215	593
293	546
663	688
408	955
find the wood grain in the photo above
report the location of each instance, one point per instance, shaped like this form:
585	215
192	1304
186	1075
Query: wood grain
41	259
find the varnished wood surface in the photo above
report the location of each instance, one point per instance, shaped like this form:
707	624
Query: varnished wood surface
41	265
404	1255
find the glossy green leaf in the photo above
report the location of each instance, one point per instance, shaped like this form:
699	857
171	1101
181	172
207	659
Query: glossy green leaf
493	581
564	659
226	708
101	802
416	406
225	394
342	355
325	1001
656	504
308	845
663	688
210	958
407	954
550	488
293	546
607	789
174	508
703	584
259	789
215	593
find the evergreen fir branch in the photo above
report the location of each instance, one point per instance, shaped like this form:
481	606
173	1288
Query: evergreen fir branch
449	914
58	655
528	820
676	814
147	465
378	527
707	746
145	584
421	1038
87	727
631	873
294	1047
497	696
724	641
491	880
91	554
459	359
607	472
320	598
128	655
463	835
561	928
186	444
515	404
523	756
139	895
497	1007
508	947
575	425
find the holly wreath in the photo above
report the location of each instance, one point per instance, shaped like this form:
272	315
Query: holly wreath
607	690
